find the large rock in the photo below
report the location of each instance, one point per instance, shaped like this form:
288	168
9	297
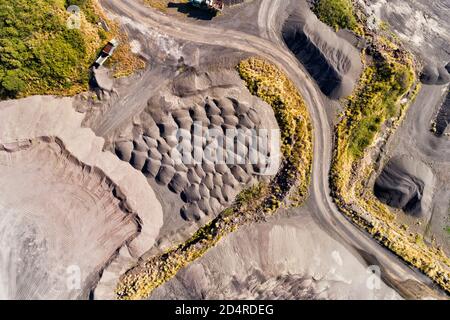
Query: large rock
103	78
226	107
192	176
211	108
239	174
154	154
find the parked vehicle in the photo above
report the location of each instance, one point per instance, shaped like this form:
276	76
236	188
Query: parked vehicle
214	5
106	53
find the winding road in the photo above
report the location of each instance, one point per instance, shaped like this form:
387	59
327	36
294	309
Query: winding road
271	47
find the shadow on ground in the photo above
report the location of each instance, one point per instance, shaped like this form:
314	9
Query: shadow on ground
191	11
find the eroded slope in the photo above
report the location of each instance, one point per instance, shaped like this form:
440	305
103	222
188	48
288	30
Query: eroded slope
65	205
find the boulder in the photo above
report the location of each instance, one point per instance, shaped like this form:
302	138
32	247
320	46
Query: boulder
242	108
231	120
163	147
245	121
221	168
204	205
211	108
217	180
216	192
226	107
151	142
228	179
216	120
208	181
204	191
228	193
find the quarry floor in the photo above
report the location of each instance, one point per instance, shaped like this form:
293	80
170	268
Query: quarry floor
308	252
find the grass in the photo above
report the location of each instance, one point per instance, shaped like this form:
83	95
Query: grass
39	54
338	14
252	205
382	85
376	107
162	5
266	81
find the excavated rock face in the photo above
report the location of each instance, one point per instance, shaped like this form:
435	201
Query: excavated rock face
406	184
333	63
166	139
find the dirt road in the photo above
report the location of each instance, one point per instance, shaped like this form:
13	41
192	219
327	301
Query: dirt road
268	46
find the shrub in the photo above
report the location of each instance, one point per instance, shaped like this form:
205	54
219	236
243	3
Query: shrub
38	53
338	14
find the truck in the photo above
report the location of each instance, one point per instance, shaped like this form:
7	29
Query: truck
213	5
106	52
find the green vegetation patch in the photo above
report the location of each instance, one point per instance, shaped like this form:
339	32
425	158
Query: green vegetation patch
382	85
338	14
377	106
38	53
266	81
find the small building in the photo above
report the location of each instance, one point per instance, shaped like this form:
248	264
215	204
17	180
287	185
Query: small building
106	53
214	5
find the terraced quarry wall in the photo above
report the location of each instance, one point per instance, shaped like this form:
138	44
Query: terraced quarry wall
66	206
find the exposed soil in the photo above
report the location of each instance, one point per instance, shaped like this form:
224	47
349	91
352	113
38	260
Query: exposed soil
406	184
66	206
333	63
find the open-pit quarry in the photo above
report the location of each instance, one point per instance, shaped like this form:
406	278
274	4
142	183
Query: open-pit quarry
267	151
